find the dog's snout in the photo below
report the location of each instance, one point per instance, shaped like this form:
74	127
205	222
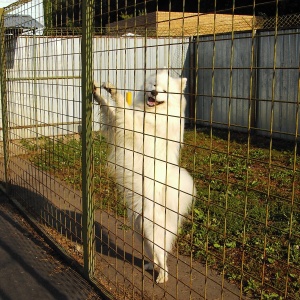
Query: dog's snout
154	93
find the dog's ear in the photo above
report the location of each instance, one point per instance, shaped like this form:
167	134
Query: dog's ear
183	83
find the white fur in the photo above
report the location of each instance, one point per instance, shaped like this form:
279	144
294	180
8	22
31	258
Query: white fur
144	159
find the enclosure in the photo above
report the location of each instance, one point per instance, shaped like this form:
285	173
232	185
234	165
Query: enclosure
241	237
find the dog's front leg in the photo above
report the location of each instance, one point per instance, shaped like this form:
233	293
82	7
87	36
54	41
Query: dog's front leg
109	87
108	112
97	95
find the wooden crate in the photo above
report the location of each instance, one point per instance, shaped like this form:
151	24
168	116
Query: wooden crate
162	24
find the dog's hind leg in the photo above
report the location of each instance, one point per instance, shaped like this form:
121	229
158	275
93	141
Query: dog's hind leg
161	256
149	252
162	246
158	257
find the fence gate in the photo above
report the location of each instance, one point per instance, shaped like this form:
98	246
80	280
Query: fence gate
180	181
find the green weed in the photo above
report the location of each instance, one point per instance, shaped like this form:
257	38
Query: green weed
246	203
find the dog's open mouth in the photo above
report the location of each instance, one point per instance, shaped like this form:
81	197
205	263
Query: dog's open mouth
152	102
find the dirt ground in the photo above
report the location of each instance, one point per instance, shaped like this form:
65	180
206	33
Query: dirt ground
119	256
30	269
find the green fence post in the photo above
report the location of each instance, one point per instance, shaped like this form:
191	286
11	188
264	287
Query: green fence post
4	99
87	140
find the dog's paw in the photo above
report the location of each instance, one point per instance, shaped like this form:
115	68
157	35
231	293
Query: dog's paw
109	87
148	266
162	276
95	87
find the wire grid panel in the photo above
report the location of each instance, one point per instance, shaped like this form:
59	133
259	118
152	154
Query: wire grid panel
239	238
42	81
230	222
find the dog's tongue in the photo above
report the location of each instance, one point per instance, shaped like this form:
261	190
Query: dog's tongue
151	101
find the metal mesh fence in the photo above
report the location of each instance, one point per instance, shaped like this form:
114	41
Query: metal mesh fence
287	21
158	146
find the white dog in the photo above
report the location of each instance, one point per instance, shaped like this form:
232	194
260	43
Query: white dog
144	157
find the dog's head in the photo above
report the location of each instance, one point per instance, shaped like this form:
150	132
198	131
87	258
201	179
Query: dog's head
162	89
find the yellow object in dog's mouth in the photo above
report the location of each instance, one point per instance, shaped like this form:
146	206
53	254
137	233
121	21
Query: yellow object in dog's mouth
152	102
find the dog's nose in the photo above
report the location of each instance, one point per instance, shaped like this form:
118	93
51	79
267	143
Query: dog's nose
154	93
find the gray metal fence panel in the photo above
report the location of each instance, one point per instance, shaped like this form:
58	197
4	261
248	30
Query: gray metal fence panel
221	88
278	82
224	92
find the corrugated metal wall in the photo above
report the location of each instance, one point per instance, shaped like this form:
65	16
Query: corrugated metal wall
223	76
42	78
238	72
278	82
51	83
238	78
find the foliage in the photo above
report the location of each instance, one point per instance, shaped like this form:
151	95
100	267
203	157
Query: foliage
125	16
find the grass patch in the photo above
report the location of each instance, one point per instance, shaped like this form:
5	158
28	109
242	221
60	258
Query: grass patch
247	214
62	158
246	219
